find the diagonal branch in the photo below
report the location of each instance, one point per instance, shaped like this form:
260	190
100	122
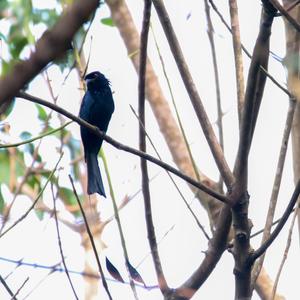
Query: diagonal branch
104	282
123	147
194	96
276	185
51	45
279	227
286	14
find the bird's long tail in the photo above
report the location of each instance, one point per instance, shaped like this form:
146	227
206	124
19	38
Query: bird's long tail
95	184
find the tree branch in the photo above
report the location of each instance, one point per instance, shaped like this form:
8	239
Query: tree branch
91	240
276	185
278	228
51	45
194	96
142	145
238	58
123	147
285	13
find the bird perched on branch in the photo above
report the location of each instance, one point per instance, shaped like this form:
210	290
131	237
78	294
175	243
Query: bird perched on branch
96	108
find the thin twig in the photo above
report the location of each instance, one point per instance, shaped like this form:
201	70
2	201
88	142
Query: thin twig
123	147
7	287
292	5
175	106
91	240
262	230
276	185
54	268
28	170
39	283
238	58
35	201
50	132
210	33
173	181
142	145
285	13
286	251
120	228
193	94
19	289
278	228
285	90
60	244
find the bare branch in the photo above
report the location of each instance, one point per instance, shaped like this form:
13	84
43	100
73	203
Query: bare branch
285	13
91	240
278	228
142	145
210	33
123	147
286	251
60	244
194	96
238	58
276	185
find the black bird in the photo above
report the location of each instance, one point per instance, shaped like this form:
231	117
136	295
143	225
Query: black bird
96	108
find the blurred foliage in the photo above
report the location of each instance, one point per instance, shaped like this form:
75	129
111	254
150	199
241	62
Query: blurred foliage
21	25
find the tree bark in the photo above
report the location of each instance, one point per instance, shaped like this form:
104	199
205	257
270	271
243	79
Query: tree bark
293	64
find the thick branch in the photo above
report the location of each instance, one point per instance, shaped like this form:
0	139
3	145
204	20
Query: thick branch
254	91
51	45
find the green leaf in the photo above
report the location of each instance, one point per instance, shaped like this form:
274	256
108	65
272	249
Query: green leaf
7	110
20	163
42	114
40	214
34	182
16	45
108	22
67	196
25	135
4	166
69	199
1	201
46	16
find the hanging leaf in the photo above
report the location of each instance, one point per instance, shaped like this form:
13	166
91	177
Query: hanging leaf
112	270
108	22
69	199
134	273
4	166
16	45
42	114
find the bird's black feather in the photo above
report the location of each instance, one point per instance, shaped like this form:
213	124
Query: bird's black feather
96	108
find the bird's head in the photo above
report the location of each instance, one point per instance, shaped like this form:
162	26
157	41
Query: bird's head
96	80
